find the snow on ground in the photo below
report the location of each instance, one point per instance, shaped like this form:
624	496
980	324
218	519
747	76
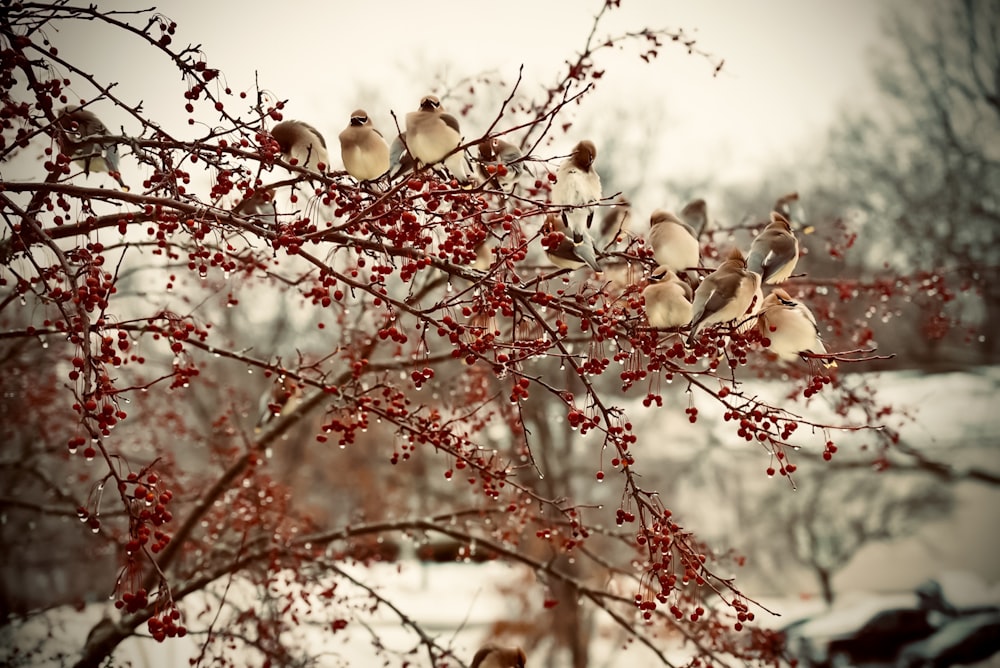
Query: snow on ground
458	603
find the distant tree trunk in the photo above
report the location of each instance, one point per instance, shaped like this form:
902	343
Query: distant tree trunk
825	577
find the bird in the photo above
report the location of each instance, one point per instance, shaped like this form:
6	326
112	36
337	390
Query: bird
566	253
674	243
667	299
259	206
695	214
789	327
432	134
492	656
783	205
614	223
78	128
775	251
363	149
301	144
400	159
578	185
282	397
496	152
723	295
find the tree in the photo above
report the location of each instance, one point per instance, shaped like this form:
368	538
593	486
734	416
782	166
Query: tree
922	172
845	510
143	314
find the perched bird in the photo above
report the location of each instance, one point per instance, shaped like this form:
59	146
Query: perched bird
260	206
569	254
673	241
579	185
723	295
614	223
496	152
301	143
79	127
790	327
775	251
668	300
363	149
695	214
282	397
431	134
783	205
400	159
491	656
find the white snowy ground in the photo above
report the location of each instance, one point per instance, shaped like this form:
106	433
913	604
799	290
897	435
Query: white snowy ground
459	601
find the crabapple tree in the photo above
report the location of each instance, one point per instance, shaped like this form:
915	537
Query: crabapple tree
414	393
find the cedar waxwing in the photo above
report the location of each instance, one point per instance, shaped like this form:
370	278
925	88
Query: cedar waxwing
282	397
77	126
578	184
615	222
790	327
674	243
723	295
363	149
400	159
302	143
496	151
431	134
491	656
668	300
259	206
695	214
775	251
783	205
569	254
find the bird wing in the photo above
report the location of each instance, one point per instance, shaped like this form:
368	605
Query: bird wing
451	122
688	293
313	130
781	251
585	251
722	289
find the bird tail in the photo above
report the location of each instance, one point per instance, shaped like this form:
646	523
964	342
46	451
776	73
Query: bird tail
585	251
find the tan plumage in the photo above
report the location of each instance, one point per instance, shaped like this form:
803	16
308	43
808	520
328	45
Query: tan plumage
667	299
578	184
723	295
569	254
431	134
695	214
400	160
789	327
301	143
673	241
783	204
775	251
77	129
363	148
494	152
492	656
